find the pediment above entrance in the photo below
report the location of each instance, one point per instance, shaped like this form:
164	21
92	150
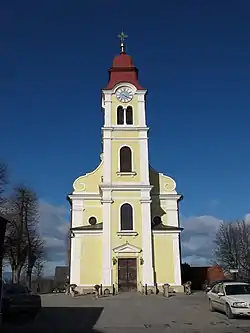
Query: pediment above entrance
127	248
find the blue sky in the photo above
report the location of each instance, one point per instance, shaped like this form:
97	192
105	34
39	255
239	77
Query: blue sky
193	58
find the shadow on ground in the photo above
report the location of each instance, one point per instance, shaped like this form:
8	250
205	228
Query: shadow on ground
55	319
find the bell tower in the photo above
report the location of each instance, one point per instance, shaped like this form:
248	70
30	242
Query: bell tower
125	155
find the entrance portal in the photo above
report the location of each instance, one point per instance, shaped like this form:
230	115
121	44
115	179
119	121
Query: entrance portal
127	274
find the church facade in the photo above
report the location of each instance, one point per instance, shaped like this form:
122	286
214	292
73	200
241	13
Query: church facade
124	214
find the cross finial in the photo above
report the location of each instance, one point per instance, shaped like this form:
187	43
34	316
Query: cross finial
122	38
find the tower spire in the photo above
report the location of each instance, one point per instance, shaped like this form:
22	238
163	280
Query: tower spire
122	38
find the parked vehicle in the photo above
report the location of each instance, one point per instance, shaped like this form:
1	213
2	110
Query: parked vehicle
17	298
232	298
210	286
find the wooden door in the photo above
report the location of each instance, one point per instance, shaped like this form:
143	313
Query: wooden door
127	274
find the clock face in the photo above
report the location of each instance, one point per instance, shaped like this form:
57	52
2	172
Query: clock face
124	94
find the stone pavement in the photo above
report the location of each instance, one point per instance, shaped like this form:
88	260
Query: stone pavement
129	312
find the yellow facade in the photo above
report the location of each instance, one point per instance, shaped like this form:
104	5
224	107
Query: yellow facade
125	227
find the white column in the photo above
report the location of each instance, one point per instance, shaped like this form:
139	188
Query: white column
107	156
75	261
107	110
106	240
77	212
172	213
177	260
144	163
141	110
147	268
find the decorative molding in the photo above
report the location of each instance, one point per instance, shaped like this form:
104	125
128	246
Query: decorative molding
85	195
132	173
120	138
126	128
145	200
127	248
170	196
126	84
87	232
126	186
163	232
107	201
127	233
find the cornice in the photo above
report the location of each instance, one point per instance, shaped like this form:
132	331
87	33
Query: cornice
125	128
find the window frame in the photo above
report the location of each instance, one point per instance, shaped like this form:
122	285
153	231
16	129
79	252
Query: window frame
126	231
131	160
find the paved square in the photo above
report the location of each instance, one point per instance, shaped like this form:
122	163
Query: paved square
130	312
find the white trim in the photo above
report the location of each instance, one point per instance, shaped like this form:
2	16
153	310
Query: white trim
120	138
177	261
127	248
119	173
132	159
125	128
87	232
170	196
120	85
163	232
119	218
80	196
125	233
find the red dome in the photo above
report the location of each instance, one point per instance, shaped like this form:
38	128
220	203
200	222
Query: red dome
123	70
123	60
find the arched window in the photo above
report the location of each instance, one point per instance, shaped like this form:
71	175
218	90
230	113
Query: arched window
129	115
126	217
120	115
125	159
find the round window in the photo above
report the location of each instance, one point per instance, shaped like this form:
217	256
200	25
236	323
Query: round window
92	220
157	220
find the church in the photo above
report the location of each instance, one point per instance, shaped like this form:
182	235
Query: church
125	231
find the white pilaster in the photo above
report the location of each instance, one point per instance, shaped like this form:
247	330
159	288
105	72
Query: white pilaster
177	261
141	109
77	212
75	261
106	240
144	163
107	109
107	156
172	213
147	268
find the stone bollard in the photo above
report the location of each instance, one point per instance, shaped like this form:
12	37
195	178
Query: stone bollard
166	290
96	291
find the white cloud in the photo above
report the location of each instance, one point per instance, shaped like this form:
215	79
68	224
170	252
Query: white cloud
197	239
54	226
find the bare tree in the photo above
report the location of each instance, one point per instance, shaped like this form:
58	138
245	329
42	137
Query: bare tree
233	246
38	269
23	244
3	181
